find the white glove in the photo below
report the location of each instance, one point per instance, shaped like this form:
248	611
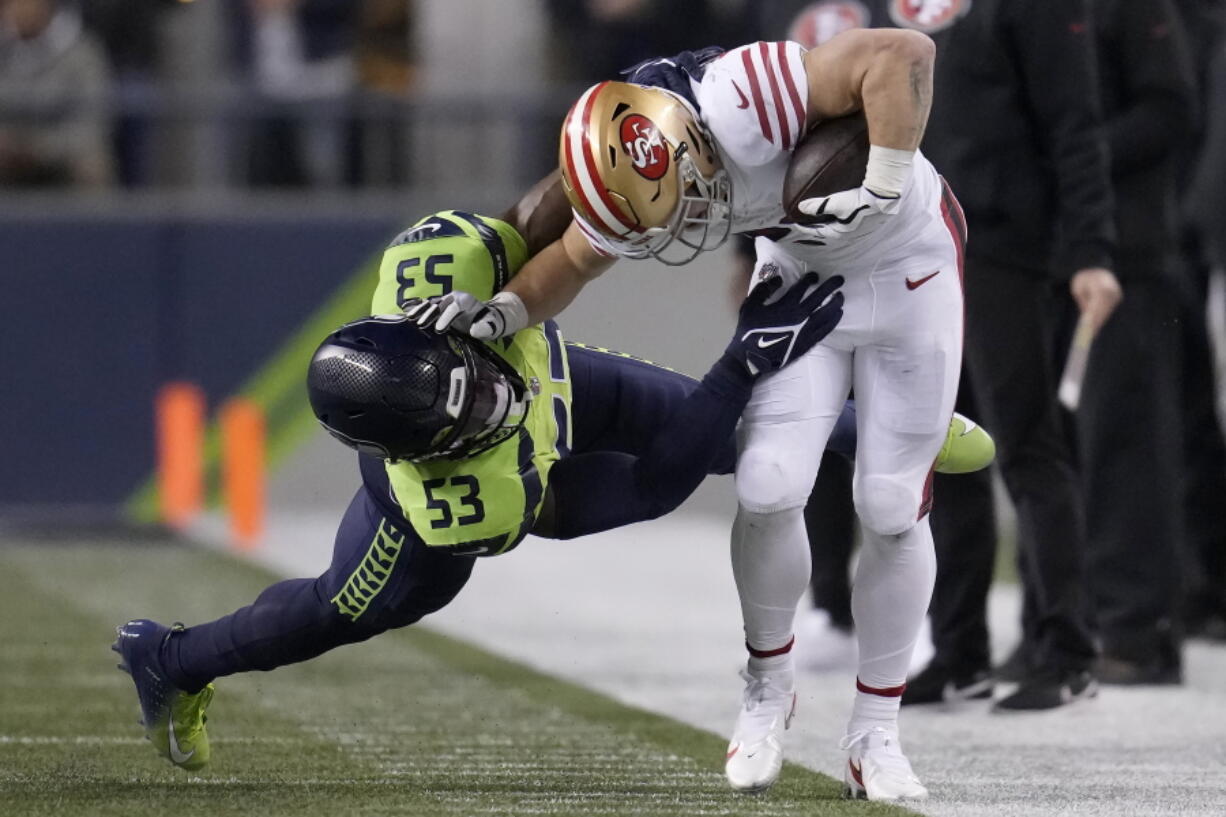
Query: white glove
852	214
502	315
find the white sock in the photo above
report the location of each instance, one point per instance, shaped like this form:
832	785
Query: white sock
890	596
778	668
771	564
871	709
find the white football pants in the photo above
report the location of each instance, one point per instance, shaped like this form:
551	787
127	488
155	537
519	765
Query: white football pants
900	346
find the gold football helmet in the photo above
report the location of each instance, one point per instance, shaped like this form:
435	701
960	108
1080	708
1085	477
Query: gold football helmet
639	166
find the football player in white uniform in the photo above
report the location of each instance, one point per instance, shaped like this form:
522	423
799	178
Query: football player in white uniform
667	165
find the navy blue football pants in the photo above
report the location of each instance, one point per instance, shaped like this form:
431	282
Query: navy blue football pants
381	570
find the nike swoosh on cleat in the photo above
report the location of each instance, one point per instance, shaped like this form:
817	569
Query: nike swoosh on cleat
916	284
855	773
763	343
732	752
175	754
744	100
971	425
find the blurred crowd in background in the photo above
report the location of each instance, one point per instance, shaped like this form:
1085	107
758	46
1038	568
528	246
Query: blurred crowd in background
295	93
324	95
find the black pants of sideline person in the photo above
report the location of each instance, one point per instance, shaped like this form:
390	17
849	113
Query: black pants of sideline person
1130	431
964	533
1204	467
1013	320
830	520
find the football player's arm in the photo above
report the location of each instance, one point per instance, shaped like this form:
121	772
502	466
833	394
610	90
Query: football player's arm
542	215
885	72
542	288
601	490
553	277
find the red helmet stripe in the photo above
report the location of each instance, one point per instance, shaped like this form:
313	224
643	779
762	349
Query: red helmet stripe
793	93
755	91
581	165
569	148
771	70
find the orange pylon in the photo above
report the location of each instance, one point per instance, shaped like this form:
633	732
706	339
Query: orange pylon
179	414
242	469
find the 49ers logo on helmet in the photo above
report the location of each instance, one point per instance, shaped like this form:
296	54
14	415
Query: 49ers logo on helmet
643	144
927	16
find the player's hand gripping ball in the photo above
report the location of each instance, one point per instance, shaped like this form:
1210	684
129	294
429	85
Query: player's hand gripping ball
823	193
848	215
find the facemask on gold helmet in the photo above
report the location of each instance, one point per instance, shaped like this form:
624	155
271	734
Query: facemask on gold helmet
640	167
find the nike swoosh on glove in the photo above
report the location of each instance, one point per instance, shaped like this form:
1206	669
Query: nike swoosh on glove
771	335
847	215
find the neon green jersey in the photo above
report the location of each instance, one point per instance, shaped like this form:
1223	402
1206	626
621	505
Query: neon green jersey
484	504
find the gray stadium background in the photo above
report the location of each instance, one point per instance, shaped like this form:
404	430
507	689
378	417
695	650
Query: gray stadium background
108	294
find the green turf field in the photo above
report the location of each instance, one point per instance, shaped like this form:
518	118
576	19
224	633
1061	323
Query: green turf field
411	723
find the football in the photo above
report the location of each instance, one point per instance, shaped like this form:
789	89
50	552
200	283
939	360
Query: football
831	157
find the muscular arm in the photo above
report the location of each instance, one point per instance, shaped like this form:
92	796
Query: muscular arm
551	279
598	491
542	215
887	73
560	263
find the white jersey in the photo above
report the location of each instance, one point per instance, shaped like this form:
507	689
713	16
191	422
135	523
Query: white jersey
898	344
754	102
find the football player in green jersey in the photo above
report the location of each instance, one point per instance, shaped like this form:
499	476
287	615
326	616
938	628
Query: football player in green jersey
464	448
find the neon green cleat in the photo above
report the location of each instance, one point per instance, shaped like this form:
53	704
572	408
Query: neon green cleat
173	719
967	448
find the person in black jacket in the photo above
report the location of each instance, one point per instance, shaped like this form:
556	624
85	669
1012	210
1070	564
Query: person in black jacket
1016	129
1129	417
1203	175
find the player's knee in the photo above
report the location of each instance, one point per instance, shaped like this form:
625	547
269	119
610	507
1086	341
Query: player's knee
769	481
885	504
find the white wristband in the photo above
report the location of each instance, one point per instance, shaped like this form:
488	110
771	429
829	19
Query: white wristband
888	170
513	311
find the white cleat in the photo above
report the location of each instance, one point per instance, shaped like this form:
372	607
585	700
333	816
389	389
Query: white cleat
755	753
877	769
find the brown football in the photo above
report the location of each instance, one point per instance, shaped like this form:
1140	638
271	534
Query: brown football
831	157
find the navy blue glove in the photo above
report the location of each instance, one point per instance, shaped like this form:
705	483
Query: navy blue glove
770	335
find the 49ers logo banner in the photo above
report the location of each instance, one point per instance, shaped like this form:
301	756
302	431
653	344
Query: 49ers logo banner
643	144
820	21
927	15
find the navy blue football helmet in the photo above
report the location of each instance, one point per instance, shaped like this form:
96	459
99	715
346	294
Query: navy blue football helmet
386	387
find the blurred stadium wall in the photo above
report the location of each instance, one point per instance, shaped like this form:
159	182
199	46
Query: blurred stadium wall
186	269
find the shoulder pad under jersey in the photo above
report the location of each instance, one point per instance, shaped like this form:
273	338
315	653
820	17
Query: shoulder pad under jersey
446	251
754	101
